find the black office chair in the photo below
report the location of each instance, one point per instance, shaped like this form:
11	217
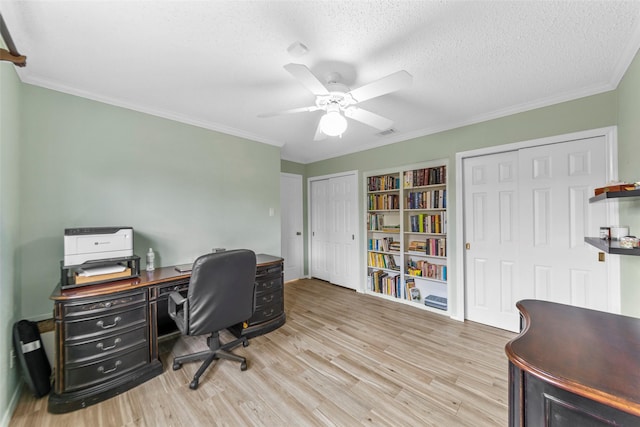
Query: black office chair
220	295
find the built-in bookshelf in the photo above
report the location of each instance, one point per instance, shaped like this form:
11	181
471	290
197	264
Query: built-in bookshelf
407	235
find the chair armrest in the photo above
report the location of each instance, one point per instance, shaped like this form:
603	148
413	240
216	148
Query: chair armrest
175	301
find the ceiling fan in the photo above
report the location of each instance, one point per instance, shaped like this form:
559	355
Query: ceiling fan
338	101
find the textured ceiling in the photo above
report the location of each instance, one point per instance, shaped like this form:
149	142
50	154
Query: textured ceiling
219	64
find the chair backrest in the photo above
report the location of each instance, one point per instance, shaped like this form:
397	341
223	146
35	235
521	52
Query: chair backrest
221	290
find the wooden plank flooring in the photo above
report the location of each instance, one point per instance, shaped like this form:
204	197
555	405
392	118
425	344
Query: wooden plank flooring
342	358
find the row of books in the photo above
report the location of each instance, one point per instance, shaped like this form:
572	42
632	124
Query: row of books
375	222
427	176
386	244
378	202
432	246
426	269
436	199
379	260
385	182
385	283
423	223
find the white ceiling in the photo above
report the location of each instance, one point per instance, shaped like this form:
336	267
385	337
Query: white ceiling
218	64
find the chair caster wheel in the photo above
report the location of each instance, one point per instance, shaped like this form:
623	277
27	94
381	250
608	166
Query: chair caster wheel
176	366
193	384
245	343
243	366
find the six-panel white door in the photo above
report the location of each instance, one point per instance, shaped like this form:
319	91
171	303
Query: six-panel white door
491	234
320	231
526	214
343	211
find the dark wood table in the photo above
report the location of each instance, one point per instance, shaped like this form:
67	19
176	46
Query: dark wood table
574	366
106	335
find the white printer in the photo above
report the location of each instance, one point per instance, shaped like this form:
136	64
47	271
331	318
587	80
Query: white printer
90	244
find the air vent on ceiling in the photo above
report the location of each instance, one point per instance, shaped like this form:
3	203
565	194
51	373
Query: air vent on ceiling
386	132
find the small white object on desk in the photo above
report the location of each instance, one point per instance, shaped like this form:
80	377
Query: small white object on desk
151	258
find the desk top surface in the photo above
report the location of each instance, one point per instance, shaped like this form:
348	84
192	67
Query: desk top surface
146	278
590	353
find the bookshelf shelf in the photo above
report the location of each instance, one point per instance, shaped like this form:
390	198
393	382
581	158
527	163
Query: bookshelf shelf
415	208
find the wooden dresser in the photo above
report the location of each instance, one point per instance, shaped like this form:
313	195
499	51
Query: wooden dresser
572	366
106	335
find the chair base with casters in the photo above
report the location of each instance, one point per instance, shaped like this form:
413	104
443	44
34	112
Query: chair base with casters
216	351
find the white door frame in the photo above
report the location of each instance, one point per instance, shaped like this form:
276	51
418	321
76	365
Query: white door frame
610	134
354	174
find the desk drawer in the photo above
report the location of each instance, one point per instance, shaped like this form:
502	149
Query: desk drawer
263	273
93	327
105	345
96	307
265	300
106	369
267	311
268	286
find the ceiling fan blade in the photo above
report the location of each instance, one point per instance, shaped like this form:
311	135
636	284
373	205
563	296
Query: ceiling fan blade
291	111
306	77
319	136
391	83
16	58
368	118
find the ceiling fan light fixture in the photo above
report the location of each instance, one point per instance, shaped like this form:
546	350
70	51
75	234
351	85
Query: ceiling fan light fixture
333	123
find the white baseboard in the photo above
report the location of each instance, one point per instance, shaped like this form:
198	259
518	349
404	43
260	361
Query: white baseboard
6	417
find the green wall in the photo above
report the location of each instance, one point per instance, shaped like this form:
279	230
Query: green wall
183	189
10	105
582	114
629	170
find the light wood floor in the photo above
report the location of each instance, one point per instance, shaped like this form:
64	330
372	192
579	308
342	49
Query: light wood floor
342	358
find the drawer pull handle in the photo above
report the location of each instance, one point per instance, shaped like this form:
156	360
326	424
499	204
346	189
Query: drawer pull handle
101	324
268	299
103	348
108	371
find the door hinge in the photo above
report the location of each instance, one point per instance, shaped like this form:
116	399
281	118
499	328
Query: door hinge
467	246
601	256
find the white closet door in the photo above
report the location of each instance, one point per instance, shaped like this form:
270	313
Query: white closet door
526	214
320	230
343	211
491	231
556	264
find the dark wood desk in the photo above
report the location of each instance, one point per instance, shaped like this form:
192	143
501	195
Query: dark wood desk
107	334
572	366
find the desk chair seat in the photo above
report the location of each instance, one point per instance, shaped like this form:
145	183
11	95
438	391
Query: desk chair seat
221	292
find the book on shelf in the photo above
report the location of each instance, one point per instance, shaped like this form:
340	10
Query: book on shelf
378	202
381	183
415	294
436	302
428	223
385	283
426	176
409	284
423	268
432	199
379	260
